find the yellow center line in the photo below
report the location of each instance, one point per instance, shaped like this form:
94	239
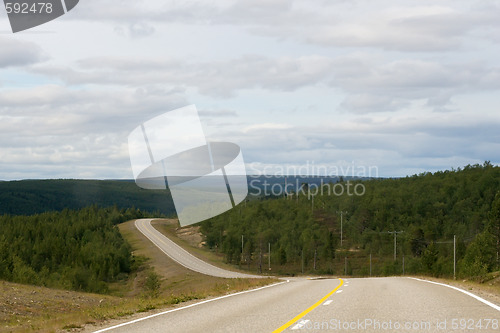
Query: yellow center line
314	306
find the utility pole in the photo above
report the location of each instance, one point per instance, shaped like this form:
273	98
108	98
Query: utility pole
345	266
302	261
260	258
454	254
242	248
341	222
395	233
454	257
269	261
370	264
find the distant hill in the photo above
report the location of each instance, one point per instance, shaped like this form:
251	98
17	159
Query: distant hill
27	197
336	227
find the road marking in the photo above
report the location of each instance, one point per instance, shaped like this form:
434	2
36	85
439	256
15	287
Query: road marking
157	237
312	307
328	302
185	307
494	306
338	292
300	324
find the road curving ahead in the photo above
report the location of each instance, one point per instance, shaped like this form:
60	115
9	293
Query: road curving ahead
182	257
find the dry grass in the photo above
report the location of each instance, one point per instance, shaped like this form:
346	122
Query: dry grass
36	309
26	308
489	289
189	239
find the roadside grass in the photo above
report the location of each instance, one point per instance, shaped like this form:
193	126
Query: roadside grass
487	287
25	308
170	228
156	283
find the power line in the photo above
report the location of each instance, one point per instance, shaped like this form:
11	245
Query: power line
395	233
341	222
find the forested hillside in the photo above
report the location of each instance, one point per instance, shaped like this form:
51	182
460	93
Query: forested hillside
27	197
72	249
303	231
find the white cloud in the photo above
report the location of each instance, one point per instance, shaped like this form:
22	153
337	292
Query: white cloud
407	86
19	53
218	78
268	127
371	84
424	26
75	131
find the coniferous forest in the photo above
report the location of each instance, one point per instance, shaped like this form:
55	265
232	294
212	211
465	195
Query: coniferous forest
436	217
427	212
72	249
28	197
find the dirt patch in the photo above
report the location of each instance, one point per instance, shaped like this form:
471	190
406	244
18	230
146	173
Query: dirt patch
191	235
490	290
30	308
25	308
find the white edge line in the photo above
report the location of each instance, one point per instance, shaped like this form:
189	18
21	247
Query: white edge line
177	247
173	245
185	307
160	235
494	306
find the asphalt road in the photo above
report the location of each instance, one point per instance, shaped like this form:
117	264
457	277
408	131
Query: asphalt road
332	305
395	304
181	256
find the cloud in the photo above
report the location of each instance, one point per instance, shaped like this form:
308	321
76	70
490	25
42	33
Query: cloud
409	28
416	26
55	131
405	86
371	84
394	144
217	113
14	53
423	26
267	127
218	78
135	30
391	86
393	55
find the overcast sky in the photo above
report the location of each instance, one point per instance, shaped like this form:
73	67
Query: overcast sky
400	87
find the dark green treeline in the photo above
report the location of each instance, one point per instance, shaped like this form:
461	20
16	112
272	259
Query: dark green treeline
72	249
303	231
